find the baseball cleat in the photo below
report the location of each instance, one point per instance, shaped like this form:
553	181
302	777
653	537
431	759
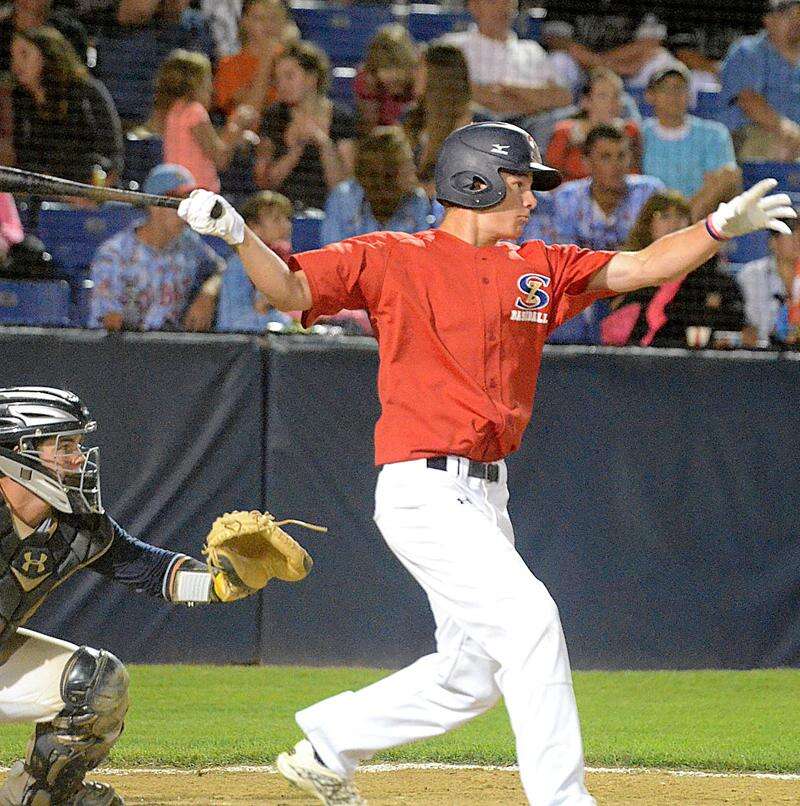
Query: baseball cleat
93	793
302	769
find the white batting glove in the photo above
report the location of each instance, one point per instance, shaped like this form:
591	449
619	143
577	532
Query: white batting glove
750	211
196	209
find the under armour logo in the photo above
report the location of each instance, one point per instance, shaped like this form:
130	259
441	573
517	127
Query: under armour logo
29	561
498	148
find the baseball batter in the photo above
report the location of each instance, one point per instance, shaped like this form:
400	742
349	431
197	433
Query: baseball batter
52	524
461	314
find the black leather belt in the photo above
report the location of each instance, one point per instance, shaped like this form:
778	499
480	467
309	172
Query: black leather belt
478	470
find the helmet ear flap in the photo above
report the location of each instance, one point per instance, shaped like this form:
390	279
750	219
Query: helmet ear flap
468	181
479	191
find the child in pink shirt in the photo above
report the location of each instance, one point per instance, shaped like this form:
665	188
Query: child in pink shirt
182	99
10	226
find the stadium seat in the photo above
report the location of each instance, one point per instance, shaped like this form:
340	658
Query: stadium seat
529	24
72	235
707	105
343	32
342	85
755	246
142	154
238	179
307	232
81	286
637	93
127	63
218	245
35	302
787	174
427	21
747	248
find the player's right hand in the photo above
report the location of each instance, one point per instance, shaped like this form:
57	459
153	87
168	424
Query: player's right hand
196	212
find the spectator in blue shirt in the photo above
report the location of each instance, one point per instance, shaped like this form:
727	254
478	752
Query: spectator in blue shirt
686	153
760	97
384	194
599	211
241	308
157	274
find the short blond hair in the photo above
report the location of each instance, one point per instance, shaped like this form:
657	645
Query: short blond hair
263	202
179	77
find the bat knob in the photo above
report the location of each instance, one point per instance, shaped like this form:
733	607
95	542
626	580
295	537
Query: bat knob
217	210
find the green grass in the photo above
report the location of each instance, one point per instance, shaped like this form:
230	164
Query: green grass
202	715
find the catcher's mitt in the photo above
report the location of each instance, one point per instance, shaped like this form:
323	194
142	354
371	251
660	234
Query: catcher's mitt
247	549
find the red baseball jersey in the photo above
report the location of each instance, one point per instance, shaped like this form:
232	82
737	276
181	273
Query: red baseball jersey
460	331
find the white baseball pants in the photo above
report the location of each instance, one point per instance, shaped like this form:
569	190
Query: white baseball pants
30	679
498	633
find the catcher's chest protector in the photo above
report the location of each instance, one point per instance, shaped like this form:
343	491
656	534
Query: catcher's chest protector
31	567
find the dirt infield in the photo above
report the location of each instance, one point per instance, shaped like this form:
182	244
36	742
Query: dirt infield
451	787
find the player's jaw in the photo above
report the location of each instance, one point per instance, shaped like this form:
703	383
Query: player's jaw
507	219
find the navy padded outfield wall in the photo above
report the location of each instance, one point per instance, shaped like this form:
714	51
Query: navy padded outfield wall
655	495
180	433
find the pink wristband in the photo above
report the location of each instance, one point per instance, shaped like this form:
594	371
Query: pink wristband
712	231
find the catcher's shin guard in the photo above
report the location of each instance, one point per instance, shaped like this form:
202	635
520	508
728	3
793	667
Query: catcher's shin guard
94	687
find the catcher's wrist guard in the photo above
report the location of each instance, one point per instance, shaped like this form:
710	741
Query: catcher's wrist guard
192	586
245	550
188	582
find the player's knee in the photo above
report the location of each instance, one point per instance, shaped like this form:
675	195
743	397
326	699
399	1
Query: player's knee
536	606
550	615
540	623
94	687
473	684
484	692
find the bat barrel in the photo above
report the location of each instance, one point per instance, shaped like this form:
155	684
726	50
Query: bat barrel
15	180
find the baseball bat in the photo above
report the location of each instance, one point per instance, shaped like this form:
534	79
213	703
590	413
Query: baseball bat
15	180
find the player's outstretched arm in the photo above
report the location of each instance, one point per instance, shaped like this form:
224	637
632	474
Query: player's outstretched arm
285	290
677	254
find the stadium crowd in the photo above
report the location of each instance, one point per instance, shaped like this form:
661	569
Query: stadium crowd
651	134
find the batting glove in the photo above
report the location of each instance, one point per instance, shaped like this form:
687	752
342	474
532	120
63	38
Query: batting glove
196	212
752	210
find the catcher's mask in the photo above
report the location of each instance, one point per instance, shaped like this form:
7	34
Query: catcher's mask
70	481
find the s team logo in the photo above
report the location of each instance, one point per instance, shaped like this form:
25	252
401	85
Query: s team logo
529	306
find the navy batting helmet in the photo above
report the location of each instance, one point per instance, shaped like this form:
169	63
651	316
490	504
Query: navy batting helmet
475	154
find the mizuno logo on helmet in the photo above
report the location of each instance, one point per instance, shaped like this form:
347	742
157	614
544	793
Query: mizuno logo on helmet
498	148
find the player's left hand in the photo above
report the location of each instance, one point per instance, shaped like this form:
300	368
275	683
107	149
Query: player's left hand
247	549
751	211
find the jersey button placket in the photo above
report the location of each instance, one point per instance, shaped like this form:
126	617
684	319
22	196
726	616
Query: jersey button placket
491	308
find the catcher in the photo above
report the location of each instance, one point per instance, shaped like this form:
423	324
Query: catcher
52	524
